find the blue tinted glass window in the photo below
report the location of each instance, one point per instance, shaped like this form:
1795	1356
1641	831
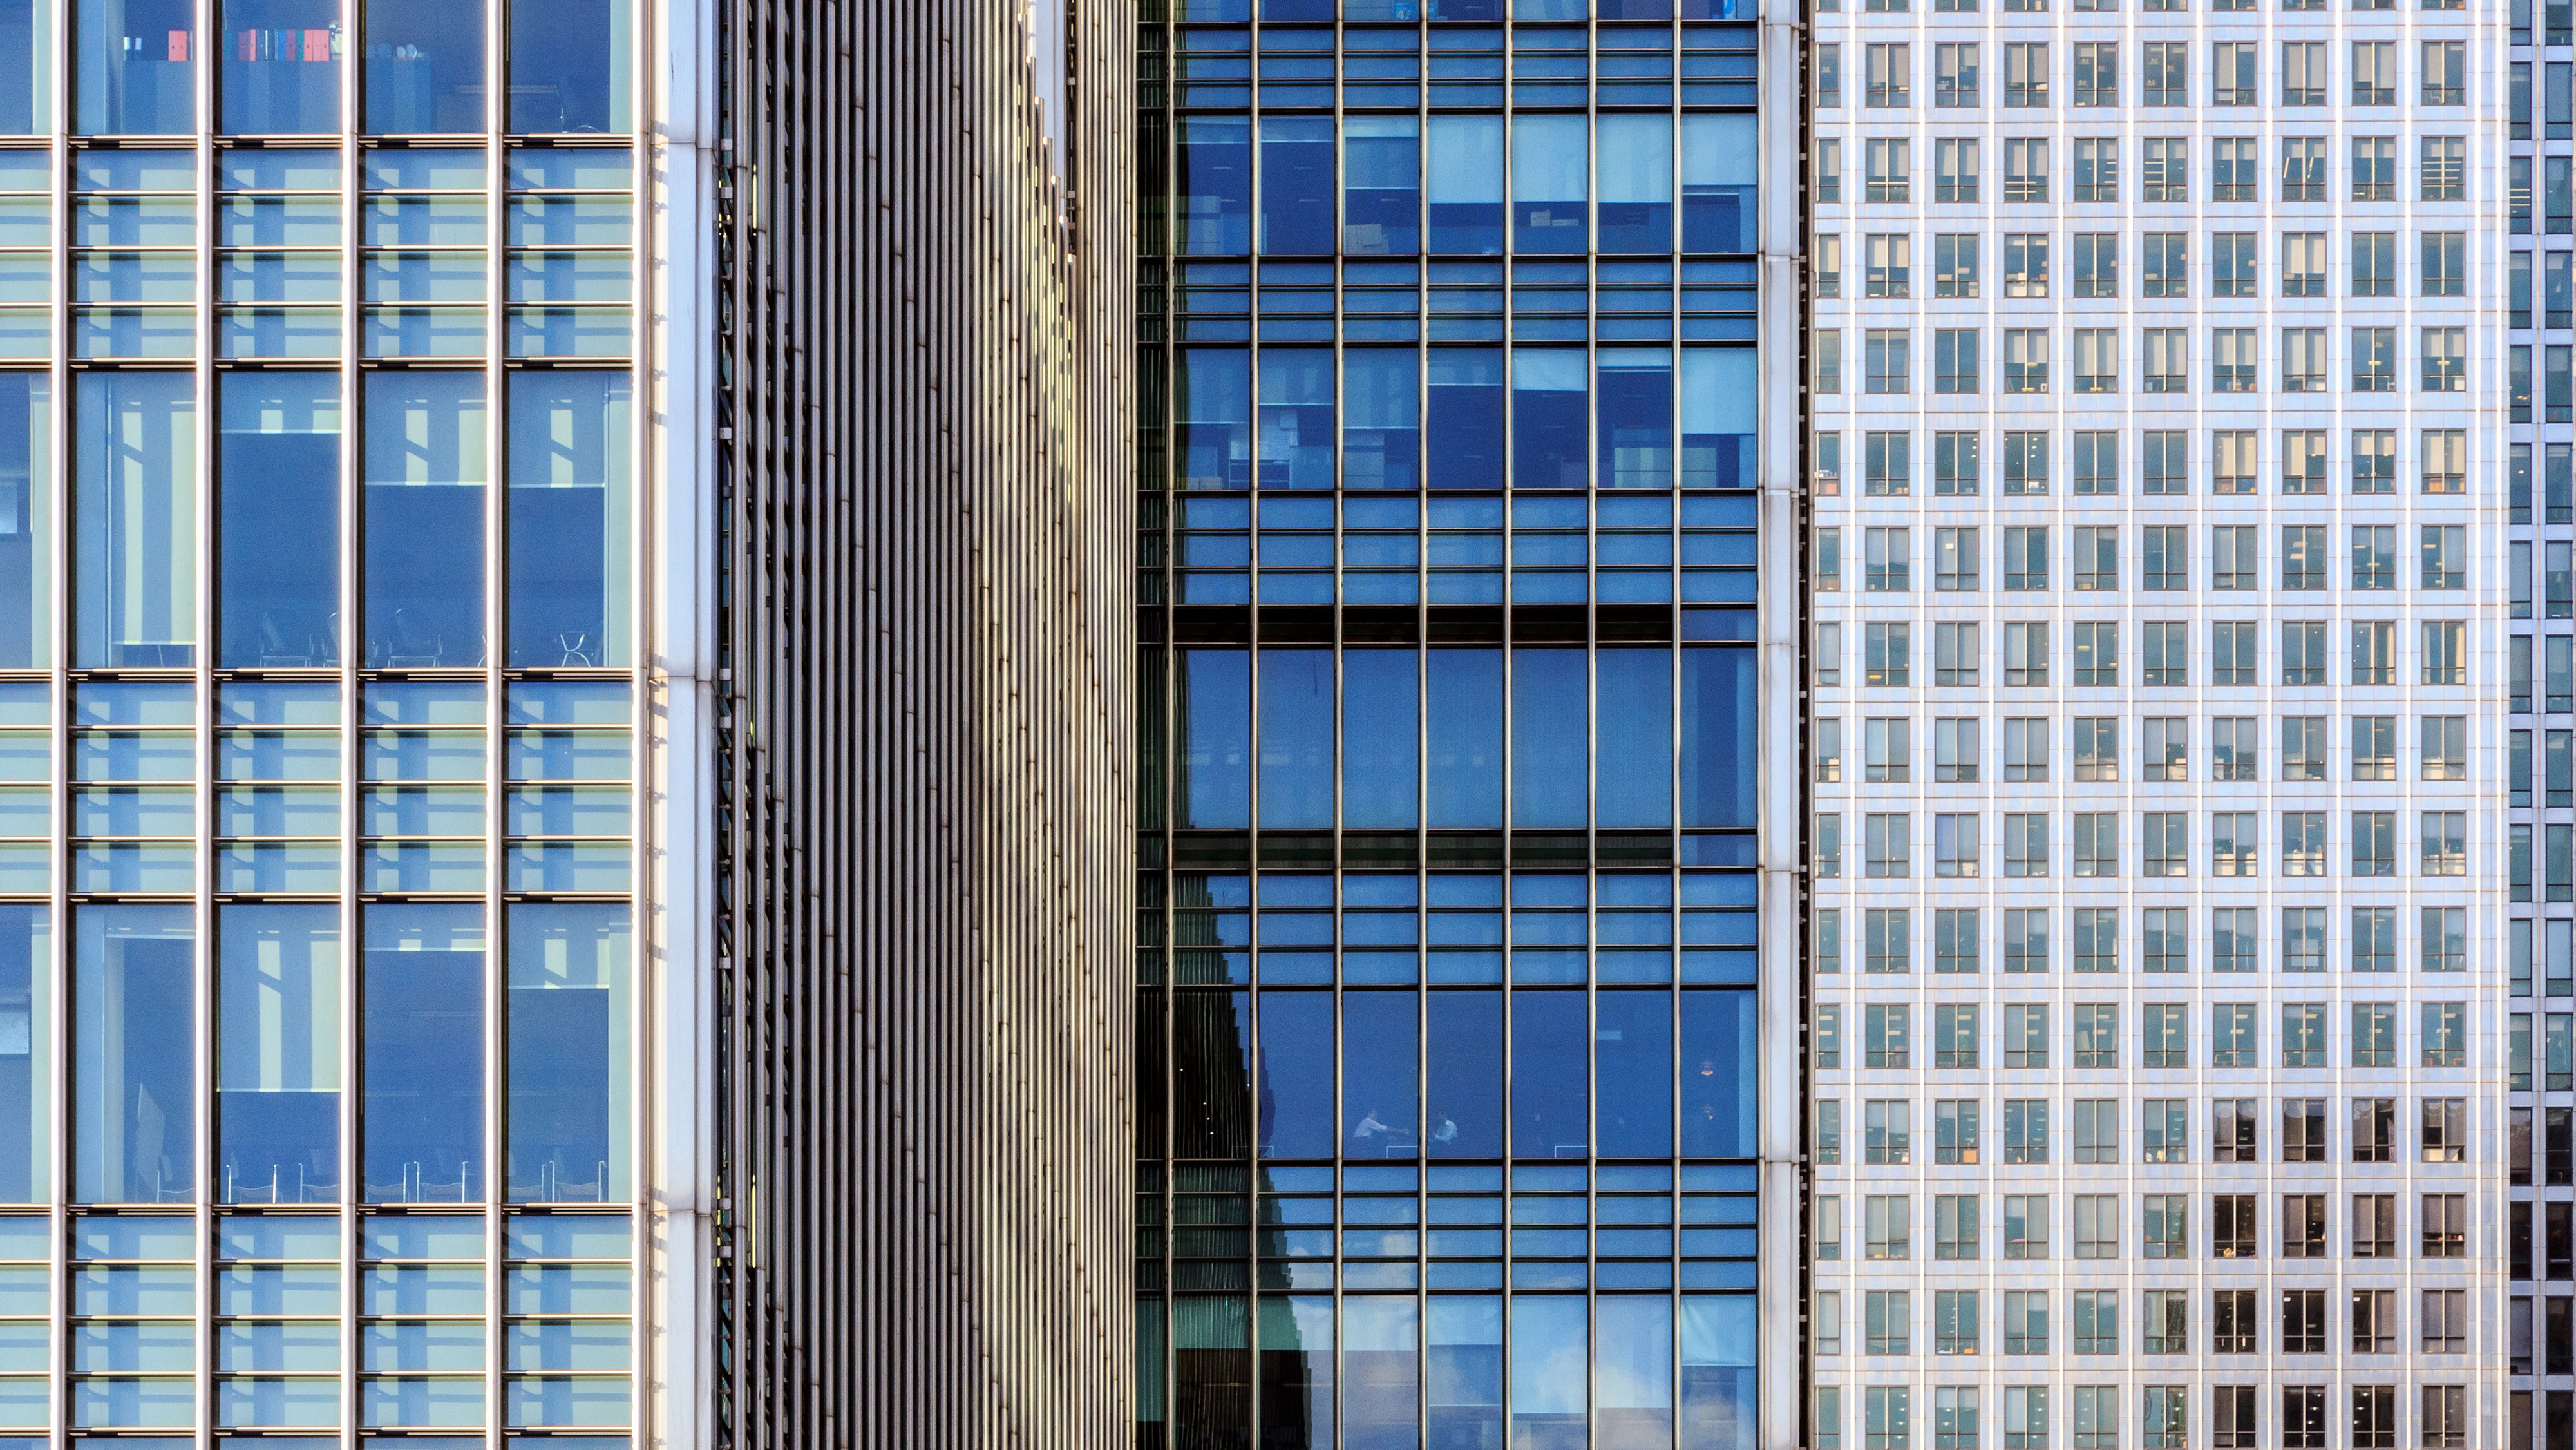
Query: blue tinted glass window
1296	739
1551	184
420	1054
277	1053
571	66
1381	752
1296	418
26	523
1634	1368
1379	1055
1634	776
1381	434
26	1053
1633	1037
1464	418
1550	692
1550	1071
134	1080
570	1058
424	71
1381	186
1717	1074
133	67
1718	755
277	519
1551	1362
1549	427
1215	185
1636	428
134	531
1463	1336
1382	1364
1464	715
1464	1073
26	66
1296	1100
422	524
1718	400
1464	183
570	526
1212	417
1719	1357
1215	720
1719	168
1296	185
278	67
1636	155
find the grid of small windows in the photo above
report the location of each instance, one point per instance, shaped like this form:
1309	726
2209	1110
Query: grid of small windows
2245	863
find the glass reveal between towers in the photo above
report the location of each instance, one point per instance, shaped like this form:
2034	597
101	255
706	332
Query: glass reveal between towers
1450	940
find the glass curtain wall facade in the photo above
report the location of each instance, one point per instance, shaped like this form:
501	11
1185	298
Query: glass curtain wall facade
317	653
2160	687
1448	600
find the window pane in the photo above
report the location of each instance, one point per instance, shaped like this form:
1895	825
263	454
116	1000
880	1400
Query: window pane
26	1053
570	565
1381	757
1634	760
571	1106
277	1053
420	1054
424	71
135	521
1549	1355
570	66
423	522
26	470
1380	1036
1464	1076
280	67
1635	1067
132	71
1548	744
277	519
26	66
1549	1099
134	1055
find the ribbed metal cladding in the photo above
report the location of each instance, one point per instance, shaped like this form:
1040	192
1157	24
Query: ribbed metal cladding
924	799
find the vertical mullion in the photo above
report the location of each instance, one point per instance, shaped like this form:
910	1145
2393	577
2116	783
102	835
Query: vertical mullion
644	682
59	634
495	572
202	67
352	641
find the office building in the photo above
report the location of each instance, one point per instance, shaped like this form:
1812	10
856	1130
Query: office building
549	825
2159	719
1468	869
1265	721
